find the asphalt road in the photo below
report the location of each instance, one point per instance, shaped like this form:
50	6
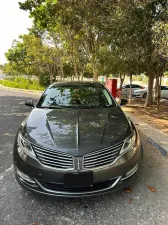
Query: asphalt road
20	207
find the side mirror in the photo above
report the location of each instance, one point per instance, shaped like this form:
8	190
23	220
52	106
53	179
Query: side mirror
123	102
29	103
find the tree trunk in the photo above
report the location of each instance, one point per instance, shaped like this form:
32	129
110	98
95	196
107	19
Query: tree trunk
148	101
159	93
130	94
95	72
50	78
62	72
121	81
38	79
156	87
72	78
28	78
76	71
95	76
81	76
122	77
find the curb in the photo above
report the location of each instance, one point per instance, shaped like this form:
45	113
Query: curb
155	137
162	150
18	89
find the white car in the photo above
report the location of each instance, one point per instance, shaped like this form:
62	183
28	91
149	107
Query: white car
126	88
142	93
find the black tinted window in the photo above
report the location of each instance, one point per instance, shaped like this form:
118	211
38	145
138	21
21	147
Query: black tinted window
137	86
126	86
75	96
164	87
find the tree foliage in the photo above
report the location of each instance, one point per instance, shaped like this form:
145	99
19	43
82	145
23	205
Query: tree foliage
91	38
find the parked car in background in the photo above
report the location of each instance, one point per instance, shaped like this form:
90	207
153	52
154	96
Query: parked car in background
164	92
126	88
142	93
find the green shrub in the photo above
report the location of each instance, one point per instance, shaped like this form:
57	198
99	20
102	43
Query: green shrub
44	80
22	83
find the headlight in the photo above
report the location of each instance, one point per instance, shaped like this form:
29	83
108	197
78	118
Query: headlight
128	143
25	146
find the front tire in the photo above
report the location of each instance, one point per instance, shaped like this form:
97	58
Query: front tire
144	95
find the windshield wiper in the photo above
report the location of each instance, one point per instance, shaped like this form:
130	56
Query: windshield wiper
49	107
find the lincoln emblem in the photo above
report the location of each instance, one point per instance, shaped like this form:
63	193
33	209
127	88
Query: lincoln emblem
78	164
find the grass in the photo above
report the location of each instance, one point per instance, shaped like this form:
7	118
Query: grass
22	83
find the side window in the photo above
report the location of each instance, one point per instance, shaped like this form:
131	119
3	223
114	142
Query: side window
163	88
137	86
127	86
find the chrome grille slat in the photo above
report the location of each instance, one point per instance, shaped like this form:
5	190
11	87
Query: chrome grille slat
52	151
98	165
102	157
41	154
104	150
56	163
101	160
53	158
53	165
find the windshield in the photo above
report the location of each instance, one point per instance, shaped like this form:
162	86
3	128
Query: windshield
75	97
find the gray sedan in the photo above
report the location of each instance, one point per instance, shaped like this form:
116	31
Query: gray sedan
76	142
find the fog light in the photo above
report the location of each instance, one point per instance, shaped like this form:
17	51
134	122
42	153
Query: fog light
130	172
25	177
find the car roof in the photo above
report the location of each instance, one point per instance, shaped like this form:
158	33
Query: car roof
77	83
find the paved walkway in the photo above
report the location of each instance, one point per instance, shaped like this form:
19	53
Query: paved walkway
154	136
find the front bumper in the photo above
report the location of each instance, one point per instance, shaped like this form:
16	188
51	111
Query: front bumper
34	176
136	95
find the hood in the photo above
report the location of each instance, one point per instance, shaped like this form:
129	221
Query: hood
76	131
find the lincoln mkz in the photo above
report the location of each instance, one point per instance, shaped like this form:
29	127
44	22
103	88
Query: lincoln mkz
76	142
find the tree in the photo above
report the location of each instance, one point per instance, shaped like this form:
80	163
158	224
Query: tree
134	34
128	28
77	25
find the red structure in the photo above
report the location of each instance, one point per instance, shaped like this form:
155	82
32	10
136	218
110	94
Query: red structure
111	85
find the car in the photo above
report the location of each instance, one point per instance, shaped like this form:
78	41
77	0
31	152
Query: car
76	142
142	93
126	88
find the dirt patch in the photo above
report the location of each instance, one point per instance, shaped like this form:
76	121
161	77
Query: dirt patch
151	115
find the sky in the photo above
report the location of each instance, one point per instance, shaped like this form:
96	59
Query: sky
13	22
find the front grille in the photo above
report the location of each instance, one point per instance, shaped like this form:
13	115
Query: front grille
53	158
61	187
102	157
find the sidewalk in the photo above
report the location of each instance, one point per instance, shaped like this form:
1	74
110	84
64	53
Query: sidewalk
154	136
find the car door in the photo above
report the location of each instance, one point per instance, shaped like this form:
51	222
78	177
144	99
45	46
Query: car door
164	92
126	89
134	87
